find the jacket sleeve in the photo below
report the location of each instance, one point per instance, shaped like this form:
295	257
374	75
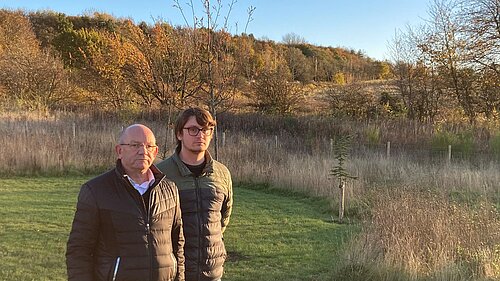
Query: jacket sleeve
227	205
178	237
83	238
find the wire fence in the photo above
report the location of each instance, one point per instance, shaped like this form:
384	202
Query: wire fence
68	143
422	153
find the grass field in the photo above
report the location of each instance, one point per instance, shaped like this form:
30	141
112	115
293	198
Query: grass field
272	236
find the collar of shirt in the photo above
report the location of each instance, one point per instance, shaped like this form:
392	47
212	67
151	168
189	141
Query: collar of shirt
143	187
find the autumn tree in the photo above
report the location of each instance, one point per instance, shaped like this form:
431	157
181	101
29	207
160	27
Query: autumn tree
383	70
298	64
459	53
45	25
105	61
275	91
32	77
218	72
168	68
245	56
72	44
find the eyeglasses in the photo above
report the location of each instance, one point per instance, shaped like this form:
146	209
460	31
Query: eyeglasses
194	131
137	146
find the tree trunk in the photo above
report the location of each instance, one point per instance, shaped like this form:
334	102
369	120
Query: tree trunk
167	125
341	200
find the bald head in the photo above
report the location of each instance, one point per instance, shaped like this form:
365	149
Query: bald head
136	149
134	130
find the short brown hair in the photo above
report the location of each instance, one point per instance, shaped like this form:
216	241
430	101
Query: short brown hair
203	117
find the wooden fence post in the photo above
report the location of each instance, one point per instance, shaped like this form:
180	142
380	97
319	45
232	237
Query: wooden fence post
388	152
26	130
223	141
449	153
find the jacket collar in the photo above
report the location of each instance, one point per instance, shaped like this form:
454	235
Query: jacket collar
156	173
184	170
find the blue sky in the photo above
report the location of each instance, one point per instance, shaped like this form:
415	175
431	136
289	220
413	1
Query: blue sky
365	25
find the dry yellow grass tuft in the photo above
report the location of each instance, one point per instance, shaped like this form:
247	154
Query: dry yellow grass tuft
425	234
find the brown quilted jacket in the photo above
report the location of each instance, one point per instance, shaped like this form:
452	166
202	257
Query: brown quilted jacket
117	236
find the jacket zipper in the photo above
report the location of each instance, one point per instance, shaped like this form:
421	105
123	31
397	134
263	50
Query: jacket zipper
148	232
198	202
148	226
115	271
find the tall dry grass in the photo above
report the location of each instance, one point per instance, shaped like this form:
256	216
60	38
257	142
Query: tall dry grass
415	235
257	158
66	143
51	146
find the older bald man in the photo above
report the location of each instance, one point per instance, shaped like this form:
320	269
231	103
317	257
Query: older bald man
127	224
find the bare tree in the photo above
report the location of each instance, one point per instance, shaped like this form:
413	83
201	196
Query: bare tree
293	39
405	57
480	22
218	72
451	60
446	46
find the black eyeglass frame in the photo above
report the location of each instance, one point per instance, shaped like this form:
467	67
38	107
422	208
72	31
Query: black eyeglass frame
194	131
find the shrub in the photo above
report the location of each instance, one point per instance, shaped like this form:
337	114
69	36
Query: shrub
460	142
391	104
372	135
495	144
442	139
465	143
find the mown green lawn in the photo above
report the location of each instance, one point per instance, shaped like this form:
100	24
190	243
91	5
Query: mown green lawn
271	236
